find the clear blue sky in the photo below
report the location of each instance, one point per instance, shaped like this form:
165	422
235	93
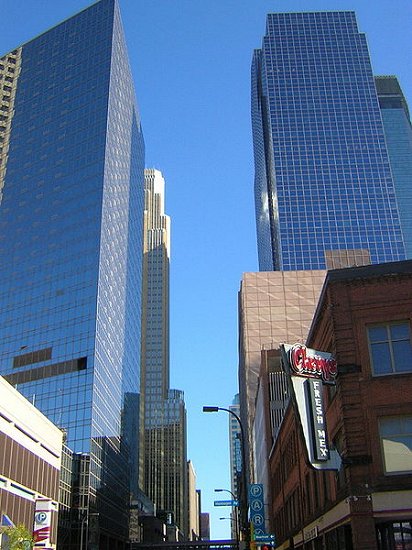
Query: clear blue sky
191	64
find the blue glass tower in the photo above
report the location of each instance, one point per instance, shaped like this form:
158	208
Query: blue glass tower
324	192
398	133
71	226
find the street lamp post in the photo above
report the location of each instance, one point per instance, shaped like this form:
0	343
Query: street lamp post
236	529
84	540
236	511
243	493
85	520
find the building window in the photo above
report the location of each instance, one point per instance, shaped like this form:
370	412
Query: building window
396	441
394	535
390	348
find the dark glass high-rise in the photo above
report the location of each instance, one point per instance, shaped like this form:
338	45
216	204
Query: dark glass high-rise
71	213
398	134
324	192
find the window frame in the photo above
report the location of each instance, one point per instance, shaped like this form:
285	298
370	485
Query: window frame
389	341
394	435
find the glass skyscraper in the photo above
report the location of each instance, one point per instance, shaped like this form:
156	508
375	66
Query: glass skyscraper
165	464
324	192
71	229
398	134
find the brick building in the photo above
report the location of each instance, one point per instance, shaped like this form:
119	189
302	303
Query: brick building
363	318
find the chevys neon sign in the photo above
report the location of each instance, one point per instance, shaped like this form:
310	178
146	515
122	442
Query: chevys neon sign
306	362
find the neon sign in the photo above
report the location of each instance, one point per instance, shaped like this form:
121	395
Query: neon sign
305	362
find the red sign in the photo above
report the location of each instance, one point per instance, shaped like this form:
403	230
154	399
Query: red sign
305	362
42	521
41	535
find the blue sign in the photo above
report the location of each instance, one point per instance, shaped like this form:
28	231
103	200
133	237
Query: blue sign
238	455
255	491
6	521
264	538
257	508
319	438
226	503
256	505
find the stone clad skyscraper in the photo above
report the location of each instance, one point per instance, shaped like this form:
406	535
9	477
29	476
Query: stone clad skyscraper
71	214
165	477
324	192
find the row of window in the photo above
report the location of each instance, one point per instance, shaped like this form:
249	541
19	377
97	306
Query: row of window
390	352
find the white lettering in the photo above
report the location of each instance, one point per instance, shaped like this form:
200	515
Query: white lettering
312	365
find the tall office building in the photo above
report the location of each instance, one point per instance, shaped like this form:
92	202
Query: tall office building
71	252
274	307
235	452
165	463
193	500
398	134
235	446
324	192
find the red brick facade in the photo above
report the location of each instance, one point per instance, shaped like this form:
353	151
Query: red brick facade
361	506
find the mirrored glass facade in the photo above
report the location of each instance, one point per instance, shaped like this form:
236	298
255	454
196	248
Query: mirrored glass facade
398	134
323	181
71	227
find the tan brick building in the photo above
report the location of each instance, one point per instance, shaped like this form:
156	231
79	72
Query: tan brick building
274	307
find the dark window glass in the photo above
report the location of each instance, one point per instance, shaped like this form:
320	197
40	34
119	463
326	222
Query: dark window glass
390	348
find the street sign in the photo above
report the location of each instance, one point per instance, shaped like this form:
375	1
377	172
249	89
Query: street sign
226	503
255	490
257	509
266	538
256	505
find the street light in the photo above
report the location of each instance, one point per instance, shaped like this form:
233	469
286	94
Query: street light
243	501
237	532
236	507
226	491
85	521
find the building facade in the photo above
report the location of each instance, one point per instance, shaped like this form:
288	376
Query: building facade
398	134
235	453
274	307
71	252
364	319
30	462
234	443
193	503
204	526
165	463
326	190
323	182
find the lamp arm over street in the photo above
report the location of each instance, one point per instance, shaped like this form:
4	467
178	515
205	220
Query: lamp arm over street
243	506
226	491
